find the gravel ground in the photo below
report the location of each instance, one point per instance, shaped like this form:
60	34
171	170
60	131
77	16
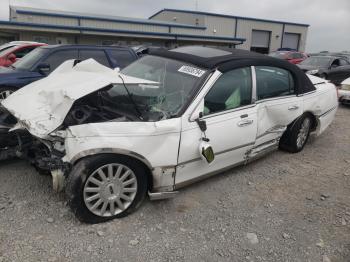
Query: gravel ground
282	207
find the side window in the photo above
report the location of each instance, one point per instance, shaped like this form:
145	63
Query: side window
98	55
121	58
343	62
335	63
57	58
273	82
23	52
233	89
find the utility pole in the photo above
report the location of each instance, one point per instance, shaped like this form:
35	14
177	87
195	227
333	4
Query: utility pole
196	5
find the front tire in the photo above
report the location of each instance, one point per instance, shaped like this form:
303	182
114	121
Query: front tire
104	187
297	135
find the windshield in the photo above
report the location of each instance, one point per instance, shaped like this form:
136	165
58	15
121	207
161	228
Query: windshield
317	61
278	54
175	82
28	61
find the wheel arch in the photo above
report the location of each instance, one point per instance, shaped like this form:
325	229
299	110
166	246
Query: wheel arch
315	121
117	152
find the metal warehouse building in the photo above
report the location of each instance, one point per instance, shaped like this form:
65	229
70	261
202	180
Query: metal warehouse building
168	27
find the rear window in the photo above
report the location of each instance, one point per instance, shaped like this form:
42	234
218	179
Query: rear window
23	51
121	58
98	55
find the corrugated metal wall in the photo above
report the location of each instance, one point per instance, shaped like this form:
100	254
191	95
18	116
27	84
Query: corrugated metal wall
216	26
50	20
220	26
123	26
225	27
182	18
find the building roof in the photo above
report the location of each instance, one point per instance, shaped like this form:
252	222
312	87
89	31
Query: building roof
144	32
76	15
227	16
79	29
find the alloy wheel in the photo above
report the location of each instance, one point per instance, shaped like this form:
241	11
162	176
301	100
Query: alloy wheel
110	190
303	132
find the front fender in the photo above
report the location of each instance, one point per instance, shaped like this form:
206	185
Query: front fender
118	151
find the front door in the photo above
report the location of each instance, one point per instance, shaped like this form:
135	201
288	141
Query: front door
231	121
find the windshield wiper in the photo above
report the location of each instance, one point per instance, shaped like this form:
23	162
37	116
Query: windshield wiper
132	100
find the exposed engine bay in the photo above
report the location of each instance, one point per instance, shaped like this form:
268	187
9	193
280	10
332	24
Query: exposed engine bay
94	108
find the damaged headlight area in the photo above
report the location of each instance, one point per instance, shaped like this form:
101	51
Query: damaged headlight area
16	141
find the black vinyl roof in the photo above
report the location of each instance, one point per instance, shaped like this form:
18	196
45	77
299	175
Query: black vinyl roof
229	59
205	57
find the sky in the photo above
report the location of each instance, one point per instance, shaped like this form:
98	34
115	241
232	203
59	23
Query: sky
329	19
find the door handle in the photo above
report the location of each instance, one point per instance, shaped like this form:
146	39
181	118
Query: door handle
291	108
245	122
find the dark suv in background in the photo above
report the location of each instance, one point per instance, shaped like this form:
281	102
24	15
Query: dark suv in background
42	61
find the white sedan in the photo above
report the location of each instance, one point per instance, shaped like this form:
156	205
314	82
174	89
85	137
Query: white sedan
344	92
165	121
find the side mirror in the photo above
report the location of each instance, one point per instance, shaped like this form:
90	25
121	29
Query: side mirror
43	68
206	151
12	57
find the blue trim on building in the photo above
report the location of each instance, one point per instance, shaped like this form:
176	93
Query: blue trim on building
91	29
129	21
227	16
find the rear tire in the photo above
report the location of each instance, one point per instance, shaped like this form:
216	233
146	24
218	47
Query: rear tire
106	186
297	135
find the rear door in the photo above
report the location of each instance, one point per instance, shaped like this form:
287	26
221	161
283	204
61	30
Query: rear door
56	58
277	104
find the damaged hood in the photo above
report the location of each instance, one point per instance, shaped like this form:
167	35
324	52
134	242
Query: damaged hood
42	106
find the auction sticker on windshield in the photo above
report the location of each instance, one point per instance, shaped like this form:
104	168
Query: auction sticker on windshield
191	71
